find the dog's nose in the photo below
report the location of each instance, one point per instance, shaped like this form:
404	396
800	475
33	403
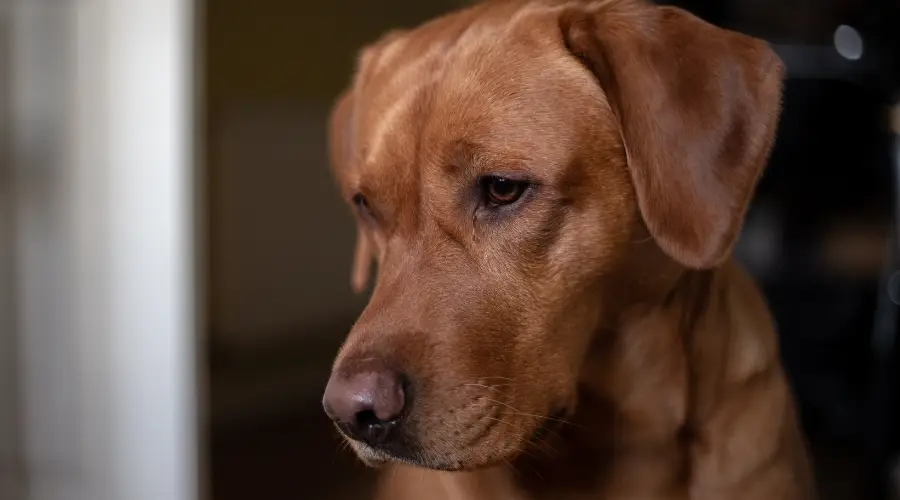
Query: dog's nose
367	405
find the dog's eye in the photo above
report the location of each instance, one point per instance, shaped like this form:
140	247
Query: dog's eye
362	205
502	190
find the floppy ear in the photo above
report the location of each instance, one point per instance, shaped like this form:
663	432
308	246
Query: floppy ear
697	107
341	132
342	139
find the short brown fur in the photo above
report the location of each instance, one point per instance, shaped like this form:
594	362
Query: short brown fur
596	341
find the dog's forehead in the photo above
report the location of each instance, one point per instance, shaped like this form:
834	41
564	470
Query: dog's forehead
426	93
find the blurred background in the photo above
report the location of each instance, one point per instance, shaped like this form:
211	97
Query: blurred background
174	257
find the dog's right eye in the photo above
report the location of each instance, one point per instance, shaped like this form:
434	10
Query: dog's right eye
363	207
499	191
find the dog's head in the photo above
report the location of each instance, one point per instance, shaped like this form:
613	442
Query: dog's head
522	173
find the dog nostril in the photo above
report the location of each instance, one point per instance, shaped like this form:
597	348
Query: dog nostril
366	419
371	428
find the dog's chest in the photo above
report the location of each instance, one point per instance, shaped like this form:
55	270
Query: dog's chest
650	477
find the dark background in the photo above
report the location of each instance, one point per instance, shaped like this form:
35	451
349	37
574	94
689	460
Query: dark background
820	236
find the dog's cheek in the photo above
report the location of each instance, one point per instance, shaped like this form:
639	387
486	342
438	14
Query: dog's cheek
573	301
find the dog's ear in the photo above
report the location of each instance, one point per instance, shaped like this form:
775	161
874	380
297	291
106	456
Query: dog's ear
341	138
697	107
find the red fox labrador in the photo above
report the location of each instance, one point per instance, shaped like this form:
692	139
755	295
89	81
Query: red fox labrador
551	190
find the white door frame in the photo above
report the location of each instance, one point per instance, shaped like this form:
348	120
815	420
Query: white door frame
105	289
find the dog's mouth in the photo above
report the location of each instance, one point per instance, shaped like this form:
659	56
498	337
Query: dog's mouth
462	457
401	450
379	457
375	458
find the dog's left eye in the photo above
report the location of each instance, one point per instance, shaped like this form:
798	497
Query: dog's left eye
500	191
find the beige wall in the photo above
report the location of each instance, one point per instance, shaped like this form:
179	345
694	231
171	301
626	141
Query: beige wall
280	240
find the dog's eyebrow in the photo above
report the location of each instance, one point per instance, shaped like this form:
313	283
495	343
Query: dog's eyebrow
467	155
460	154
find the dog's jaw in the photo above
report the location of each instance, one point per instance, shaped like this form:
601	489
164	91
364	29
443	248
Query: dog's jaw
368	455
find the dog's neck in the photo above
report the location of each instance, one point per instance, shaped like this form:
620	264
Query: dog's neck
632	422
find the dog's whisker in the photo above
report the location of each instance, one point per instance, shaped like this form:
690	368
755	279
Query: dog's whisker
493	388
545	446
505	422
343	446
488	385
504	404
535	416
549	418
549	433
513	467
542	445
533	467
525	451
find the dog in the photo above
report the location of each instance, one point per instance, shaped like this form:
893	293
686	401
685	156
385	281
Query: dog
550	192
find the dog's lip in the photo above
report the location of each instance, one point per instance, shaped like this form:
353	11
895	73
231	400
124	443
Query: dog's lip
372	457
376	456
